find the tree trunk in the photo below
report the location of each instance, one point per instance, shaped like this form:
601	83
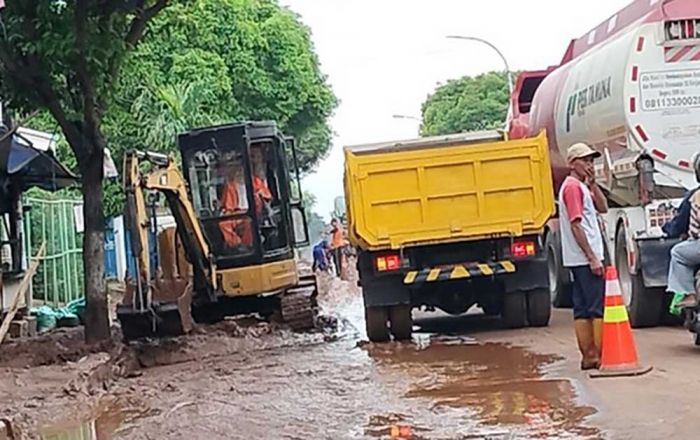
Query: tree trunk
96	313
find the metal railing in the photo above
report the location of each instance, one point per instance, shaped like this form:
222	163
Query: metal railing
59	278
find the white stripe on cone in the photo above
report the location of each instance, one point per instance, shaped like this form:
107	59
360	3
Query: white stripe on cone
612	288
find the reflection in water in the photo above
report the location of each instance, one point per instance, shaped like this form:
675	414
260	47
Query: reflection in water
86	431
110	417
502	385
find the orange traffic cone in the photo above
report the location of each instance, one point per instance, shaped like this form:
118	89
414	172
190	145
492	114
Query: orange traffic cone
619	357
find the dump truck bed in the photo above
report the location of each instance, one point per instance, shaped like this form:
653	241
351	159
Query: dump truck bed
446	188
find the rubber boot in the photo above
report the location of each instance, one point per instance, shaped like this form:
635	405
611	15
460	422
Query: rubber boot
586	345
598	338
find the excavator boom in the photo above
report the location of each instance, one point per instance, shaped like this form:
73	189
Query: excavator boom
161	305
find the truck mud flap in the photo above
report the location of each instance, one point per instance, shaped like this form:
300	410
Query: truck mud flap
459	272
531	274
655	257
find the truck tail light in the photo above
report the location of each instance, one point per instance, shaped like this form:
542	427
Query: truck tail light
388	262
522	249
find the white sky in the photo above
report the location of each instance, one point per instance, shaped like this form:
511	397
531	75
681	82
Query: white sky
383	57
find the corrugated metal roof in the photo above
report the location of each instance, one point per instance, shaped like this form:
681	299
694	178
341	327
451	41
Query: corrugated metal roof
471	137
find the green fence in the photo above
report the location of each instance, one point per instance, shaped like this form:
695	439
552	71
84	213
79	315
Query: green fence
59	278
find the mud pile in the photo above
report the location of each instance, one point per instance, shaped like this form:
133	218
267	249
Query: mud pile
56	347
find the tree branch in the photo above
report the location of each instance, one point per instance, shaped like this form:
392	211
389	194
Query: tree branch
26	71
138	24
136	30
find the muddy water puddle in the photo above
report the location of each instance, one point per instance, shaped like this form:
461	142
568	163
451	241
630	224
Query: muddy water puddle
109	419
501	391
435	388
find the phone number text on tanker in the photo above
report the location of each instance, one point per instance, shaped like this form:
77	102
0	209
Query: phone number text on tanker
672	102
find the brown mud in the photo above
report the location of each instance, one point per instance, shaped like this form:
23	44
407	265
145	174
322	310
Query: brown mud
245	378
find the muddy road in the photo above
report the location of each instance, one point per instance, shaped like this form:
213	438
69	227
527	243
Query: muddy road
459	379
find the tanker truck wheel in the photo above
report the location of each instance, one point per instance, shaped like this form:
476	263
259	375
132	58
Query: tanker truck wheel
376	323
645	305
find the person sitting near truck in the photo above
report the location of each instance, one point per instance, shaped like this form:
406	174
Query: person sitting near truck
685	256
320	254
580	198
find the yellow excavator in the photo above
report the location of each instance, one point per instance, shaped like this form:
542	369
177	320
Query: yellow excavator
239	216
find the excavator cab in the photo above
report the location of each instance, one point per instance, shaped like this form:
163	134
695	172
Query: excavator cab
239	216
242	193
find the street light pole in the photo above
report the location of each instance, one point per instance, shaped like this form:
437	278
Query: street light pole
492	46
415	118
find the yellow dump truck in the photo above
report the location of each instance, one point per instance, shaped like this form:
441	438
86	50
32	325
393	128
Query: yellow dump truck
448	222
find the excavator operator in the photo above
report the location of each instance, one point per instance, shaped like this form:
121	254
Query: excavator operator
260	189
234	200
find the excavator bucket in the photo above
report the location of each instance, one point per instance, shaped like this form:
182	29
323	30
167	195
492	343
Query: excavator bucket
170	311
169	315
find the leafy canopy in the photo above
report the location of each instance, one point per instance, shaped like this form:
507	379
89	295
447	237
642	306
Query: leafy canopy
212	61
466	104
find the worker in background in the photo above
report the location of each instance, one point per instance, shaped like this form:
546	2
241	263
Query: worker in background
320	254
234	200
580	199
685	256
337	245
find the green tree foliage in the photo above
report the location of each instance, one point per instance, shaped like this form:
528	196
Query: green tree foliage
64	56
214	61
466	104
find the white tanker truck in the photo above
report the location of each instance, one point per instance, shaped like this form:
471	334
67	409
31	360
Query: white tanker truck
630	88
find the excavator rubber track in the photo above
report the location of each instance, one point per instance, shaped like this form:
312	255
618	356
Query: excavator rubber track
299	305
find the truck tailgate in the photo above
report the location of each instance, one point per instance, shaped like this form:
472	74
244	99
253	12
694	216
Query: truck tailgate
451	188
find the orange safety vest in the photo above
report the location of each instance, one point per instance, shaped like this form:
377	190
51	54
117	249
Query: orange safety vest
262	192
337	237
234	231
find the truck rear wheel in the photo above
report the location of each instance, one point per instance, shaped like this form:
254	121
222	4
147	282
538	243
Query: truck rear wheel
376	319
539	309
645	305
401	322
559	285
514	312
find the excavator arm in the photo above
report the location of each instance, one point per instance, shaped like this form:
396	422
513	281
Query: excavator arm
155	306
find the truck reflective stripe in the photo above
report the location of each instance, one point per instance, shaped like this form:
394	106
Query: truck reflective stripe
474	270
485	269
422	275
508	266
410	277
459	272
433	275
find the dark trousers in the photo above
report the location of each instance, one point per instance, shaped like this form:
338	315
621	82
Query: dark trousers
588	293
338	259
